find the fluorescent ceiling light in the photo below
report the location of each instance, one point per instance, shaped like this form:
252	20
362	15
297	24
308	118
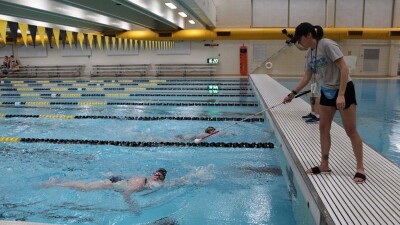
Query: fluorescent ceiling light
182	14
191	21
170	5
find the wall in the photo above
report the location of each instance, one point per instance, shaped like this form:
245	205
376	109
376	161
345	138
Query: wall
289	61
241	14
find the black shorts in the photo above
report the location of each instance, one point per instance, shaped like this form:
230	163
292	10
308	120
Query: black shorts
349	96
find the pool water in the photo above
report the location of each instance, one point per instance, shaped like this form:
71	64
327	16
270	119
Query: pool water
213	185
223	186
378	113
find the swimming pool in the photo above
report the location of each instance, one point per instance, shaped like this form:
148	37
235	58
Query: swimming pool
224	184
378	113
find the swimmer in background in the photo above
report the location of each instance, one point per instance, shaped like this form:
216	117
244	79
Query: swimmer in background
191	137
125	186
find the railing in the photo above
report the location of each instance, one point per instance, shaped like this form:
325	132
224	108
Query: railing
47	71
185	69
120	70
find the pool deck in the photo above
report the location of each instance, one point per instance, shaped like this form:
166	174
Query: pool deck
332	198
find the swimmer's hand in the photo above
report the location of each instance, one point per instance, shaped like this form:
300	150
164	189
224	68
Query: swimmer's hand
132	204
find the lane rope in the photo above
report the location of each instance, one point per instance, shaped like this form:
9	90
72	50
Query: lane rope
139	143
121	89
58	95
133	103
144	118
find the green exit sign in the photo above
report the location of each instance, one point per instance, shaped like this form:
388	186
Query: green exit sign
212	60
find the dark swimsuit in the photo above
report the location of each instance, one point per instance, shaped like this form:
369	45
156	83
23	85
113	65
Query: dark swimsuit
115	179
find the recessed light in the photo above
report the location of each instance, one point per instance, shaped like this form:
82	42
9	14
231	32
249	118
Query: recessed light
170	5
182	14
191	21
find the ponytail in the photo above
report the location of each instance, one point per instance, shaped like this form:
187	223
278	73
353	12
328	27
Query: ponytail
318	32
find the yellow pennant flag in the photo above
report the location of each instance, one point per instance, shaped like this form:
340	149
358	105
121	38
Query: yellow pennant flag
136	44
99	41
81	37
23	27
3	30
126	44
141	44
130	44
119	43
90	39
107	40
69	38
113	42
42	33
56	33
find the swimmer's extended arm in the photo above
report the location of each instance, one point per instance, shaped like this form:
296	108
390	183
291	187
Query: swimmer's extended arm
132	204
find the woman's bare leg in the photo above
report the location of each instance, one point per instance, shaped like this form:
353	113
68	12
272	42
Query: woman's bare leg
349	123
325	122
85	186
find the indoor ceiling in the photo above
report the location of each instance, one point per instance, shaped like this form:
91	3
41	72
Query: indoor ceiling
105	16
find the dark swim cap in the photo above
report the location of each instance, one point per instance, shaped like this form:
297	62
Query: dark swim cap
209	130
162	171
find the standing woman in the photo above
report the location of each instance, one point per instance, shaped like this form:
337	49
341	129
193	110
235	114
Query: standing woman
337	93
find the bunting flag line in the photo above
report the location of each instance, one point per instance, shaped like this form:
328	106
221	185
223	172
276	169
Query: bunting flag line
14	30
113	42
80	39
107	39
42	32
33	30
49	33
56	33
30	33
69	38
3	30
86	40
63	35
23	27
90	39
99	40
103	41
75	37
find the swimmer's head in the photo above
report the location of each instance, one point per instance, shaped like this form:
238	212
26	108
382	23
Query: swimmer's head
160	174
209	130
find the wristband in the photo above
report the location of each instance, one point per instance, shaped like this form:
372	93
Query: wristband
294	92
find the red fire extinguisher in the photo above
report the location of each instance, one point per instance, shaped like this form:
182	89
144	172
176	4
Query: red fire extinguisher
243	60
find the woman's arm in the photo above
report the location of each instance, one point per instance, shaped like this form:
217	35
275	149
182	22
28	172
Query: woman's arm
131	203
303	82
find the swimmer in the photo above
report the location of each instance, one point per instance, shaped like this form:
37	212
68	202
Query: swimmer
191	137
125	186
